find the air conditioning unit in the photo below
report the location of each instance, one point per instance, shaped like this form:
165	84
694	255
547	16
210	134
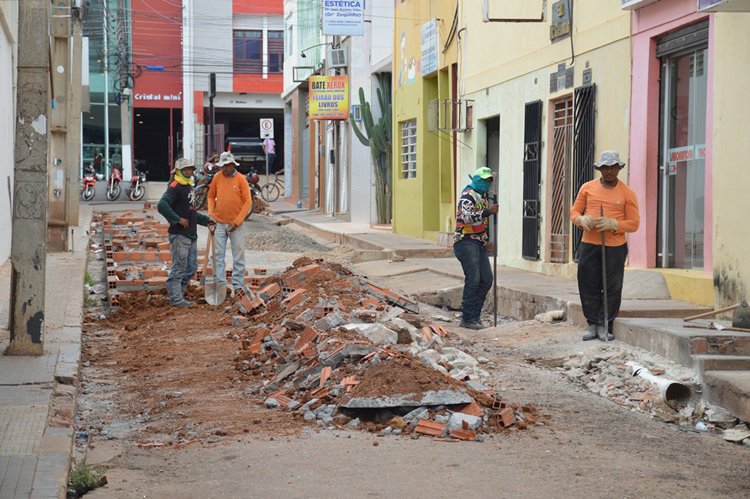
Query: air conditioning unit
356	113
338	58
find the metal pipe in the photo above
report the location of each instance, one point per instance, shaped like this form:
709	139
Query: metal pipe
672	392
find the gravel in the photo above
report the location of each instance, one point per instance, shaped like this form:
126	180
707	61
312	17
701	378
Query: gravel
285	240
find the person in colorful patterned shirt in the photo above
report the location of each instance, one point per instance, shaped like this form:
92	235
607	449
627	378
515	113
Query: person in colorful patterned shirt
620	207
472	247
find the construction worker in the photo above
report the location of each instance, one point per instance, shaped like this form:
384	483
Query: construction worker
177	205
472	247
229	202
620	207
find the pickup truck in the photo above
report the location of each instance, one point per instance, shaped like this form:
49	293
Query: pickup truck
248	152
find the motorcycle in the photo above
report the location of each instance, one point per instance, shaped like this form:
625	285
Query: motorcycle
252	180
89	184
113	184
137	187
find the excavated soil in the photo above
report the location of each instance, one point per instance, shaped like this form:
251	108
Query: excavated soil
402	376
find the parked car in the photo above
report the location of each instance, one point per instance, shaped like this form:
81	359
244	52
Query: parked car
248	152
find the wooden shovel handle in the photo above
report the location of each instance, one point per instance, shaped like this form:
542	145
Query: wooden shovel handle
205	257
711	314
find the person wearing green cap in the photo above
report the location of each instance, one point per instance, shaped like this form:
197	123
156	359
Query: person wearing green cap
472	247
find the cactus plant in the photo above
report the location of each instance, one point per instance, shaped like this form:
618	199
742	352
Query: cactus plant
377	136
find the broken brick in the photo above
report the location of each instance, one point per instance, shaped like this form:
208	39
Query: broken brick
294	299
464	435
260	271
269	291
429	427
507	418
324	375
308	335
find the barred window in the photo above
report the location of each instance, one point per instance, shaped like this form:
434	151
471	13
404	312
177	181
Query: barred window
248	51
409	149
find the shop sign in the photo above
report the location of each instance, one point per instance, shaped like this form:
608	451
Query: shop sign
329	98
343	17
560	27
686	153
157	97
429	47
635	4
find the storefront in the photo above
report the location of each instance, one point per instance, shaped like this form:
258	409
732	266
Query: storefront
670	149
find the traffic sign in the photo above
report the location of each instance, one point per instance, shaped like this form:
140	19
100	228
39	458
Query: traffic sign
266	128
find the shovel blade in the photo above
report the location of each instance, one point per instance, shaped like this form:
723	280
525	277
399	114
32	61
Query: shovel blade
216	292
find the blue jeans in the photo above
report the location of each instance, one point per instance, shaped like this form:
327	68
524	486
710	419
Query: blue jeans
271	158
475	261
237	238
184	264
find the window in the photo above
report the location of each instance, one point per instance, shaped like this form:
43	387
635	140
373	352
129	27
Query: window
275	51
248	52
290	40
409	149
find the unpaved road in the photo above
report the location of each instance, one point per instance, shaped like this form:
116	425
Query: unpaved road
590	448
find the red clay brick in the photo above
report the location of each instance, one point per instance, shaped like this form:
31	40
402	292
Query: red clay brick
324	375
429	427
308	335
464	435
165	256
269	291
120	256
507	417
260	271
150	256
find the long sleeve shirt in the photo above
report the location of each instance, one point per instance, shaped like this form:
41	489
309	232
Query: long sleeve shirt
619	203
472	217
229	198
179	202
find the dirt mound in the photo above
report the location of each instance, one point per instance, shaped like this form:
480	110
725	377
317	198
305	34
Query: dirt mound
402	376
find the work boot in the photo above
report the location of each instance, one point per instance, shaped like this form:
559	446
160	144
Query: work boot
600	334
183	304
591	333
475	325
183	286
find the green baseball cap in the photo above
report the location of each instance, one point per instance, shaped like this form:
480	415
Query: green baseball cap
484	172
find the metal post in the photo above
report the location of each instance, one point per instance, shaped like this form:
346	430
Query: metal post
28	246
211	95
106	90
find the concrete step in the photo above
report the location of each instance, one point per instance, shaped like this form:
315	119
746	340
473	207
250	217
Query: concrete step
721	363
729	389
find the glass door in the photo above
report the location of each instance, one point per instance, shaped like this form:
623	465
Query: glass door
683	162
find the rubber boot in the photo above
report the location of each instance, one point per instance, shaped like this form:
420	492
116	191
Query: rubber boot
591	333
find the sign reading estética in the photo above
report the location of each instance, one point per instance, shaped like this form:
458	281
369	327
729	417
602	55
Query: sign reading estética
343	17
329	97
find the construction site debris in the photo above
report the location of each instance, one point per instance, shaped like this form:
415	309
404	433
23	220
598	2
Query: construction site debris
283	239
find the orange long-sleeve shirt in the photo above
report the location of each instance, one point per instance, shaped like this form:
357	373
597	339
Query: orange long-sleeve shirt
229	198
619	203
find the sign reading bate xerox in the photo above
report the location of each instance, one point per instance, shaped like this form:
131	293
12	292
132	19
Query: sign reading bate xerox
329	97
344	17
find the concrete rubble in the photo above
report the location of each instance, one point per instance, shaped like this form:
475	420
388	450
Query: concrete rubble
332	348
605	371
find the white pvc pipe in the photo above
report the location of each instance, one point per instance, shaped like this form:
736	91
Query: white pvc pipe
672	392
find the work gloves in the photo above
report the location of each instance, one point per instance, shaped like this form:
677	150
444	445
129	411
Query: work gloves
585	222
603	223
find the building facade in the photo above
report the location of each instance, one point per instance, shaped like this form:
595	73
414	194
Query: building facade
242	43
8	74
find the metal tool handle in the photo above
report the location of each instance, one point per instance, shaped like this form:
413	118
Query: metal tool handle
604	282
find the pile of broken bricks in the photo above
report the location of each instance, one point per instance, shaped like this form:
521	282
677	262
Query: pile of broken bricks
336	350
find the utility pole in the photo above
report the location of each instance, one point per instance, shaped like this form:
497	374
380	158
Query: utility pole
211	95
57	220
28	246
74	137
123	66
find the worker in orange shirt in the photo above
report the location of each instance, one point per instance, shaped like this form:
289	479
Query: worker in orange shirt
229	202
621	216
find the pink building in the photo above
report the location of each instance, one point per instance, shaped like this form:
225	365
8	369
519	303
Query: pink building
670	149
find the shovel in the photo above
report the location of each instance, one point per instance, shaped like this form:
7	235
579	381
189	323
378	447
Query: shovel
205	263
216	292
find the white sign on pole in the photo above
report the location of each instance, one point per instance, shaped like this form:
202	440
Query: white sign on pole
266	128
344	17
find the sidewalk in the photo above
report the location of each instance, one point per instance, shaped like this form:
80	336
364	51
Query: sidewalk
648	317
37	394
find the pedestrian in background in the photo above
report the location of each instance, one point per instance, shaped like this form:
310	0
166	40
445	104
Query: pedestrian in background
472	247
177	205
269	148
229	202
621	216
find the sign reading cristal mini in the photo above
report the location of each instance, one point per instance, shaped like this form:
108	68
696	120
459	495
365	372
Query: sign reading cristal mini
329	97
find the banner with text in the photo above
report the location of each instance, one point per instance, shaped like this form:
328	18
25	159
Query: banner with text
343	17
329	97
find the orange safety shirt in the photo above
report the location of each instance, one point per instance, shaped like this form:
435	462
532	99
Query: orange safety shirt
229	198
619	203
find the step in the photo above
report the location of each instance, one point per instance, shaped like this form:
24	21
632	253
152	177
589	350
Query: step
705	363
729	389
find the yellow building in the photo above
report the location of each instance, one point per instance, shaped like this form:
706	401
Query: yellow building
425	40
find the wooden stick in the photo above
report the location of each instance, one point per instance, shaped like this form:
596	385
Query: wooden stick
205	262
708	326
710	314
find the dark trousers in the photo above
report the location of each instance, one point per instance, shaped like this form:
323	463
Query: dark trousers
475	262
590	281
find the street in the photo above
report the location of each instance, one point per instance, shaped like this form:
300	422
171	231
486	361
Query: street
163	407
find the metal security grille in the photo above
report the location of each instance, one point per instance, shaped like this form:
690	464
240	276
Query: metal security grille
531	176
584	128
562	143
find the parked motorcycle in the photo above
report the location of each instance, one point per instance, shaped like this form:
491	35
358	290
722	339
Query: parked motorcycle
113	184
89	183
137	185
